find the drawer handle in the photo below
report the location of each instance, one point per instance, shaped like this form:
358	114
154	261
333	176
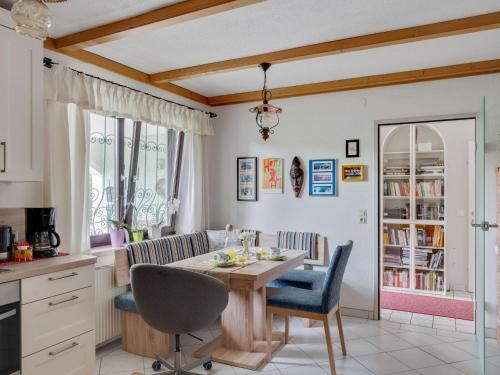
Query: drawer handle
57	352
72	274
66	300
4	168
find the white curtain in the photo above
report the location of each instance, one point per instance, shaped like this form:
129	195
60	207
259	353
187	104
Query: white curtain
66	166
69	96
193	186
64	85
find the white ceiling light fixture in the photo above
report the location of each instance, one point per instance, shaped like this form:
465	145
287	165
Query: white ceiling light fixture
32	17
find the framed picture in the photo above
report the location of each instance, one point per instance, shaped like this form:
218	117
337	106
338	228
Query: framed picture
272	175
247	179
352	148
353	173
323	177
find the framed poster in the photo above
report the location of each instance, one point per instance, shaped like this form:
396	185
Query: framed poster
353	173
352	148
247	179
272	175
323	177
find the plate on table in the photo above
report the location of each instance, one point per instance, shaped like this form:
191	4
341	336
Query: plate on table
225	264
278	258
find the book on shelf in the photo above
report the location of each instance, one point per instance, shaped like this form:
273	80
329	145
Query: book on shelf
397	257
427	258
396	236
430	236
397	278
430	211
396	188
433	281
432	168
396	171
430	188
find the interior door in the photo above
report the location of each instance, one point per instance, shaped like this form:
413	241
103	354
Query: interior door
485	229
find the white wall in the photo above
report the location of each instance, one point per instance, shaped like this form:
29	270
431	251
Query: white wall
317	127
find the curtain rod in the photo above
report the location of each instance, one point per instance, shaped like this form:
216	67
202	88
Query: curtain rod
48	62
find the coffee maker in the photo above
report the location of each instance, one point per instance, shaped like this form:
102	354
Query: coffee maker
6	242
41	233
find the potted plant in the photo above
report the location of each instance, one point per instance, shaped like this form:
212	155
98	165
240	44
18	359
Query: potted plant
137	235
117	233
155	230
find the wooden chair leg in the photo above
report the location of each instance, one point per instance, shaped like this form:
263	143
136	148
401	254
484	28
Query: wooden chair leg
287	328
329	344
269	333
341	331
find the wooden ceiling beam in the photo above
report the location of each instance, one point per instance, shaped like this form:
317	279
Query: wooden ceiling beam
413	76
169	15
387	38
126	71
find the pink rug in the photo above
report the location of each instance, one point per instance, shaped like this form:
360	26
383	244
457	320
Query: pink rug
449	308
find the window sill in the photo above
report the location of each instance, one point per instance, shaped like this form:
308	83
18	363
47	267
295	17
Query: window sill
105	255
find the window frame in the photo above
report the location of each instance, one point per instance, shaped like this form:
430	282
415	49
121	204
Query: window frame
123	210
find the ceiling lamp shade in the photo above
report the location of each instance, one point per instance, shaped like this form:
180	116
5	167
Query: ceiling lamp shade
267	115
32	18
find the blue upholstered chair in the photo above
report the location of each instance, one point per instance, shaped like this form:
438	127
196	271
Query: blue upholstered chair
311	304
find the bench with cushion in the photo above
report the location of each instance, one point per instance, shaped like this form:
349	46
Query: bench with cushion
137	337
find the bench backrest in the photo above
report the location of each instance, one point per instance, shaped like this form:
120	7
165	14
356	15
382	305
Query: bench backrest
158	251
271	239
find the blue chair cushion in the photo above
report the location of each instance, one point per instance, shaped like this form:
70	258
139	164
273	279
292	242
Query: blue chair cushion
126	302
297	299
304	279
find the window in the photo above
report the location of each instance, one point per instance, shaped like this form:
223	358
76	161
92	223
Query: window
133	172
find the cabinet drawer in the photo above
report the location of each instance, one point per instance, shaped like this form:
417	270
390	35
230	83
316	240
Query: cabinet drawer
72	357
52	284
55	319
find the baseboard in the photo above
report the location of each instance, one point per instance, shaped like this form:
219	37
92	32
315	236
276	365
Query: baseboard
357	313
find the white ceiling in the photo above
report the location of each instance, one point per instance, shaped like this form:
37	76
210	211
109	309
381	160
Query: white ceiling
280	24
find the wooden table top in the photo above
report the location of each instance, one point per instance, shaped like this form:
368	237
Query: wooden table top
254	274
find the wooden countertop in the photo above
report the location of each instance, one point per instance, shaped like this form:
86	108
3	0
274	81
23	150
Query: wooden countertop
43	266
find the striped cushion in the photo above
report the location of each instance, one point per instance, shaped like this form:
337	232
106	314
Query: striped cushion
255	241
160	251
306	241
199	241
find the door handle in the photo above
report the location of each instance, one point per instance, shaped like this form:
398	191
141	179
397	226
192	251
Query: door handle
72	274
485	225
64	301
4	146
73	344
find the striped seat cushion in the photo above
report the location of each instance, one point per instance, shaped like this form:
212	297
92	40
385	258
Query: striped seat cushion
199	241
306	241
160	251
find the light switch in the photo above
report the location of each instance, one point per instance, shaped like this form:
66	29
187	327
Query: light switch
362	216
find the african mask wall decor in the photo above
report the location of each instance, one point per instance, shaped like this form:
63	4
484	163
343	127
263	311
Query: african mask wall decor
296	176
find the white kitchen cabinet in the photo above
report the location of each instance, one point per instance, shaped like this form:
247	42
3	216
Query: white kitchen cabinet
21	107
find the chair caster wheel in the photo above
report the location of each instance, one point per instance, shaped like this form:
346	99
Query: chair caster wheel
156	365
207	365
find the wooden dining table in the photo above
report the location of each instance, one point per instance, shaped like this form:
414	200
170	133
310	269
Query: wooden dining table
242	342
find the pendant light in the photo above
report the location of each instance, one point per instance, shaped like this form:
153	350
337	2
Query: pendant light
32	17
267	115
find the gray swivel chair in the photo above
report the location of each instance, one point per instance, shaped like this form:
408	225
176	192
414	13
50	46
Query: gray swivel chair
178	302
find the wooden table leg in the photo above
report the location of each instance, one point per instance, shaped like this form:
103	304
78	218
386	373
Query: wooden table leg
243	339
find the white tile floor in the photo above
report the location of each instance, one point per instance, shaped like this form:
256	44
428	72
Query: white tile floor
373	347
429	321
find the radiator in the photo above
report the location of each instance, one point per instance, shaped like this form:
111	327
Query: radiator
108	326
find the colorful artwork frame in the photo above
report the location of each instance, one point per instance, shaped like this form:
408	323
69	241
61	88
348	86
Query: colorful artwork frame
353	173
272	173
323	178
246	179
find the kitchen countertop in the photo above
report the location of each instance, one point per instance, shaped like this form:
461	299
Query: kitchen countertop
43	266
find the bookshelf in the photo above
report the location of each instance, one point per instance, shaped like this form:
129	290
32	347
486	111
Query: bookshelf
412	205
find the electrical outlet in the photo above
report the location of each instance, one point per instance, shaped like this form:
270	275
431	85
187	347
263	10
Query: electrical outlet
362	216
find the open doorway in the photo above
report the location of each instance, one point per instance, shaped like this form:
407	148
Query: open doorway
426	204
